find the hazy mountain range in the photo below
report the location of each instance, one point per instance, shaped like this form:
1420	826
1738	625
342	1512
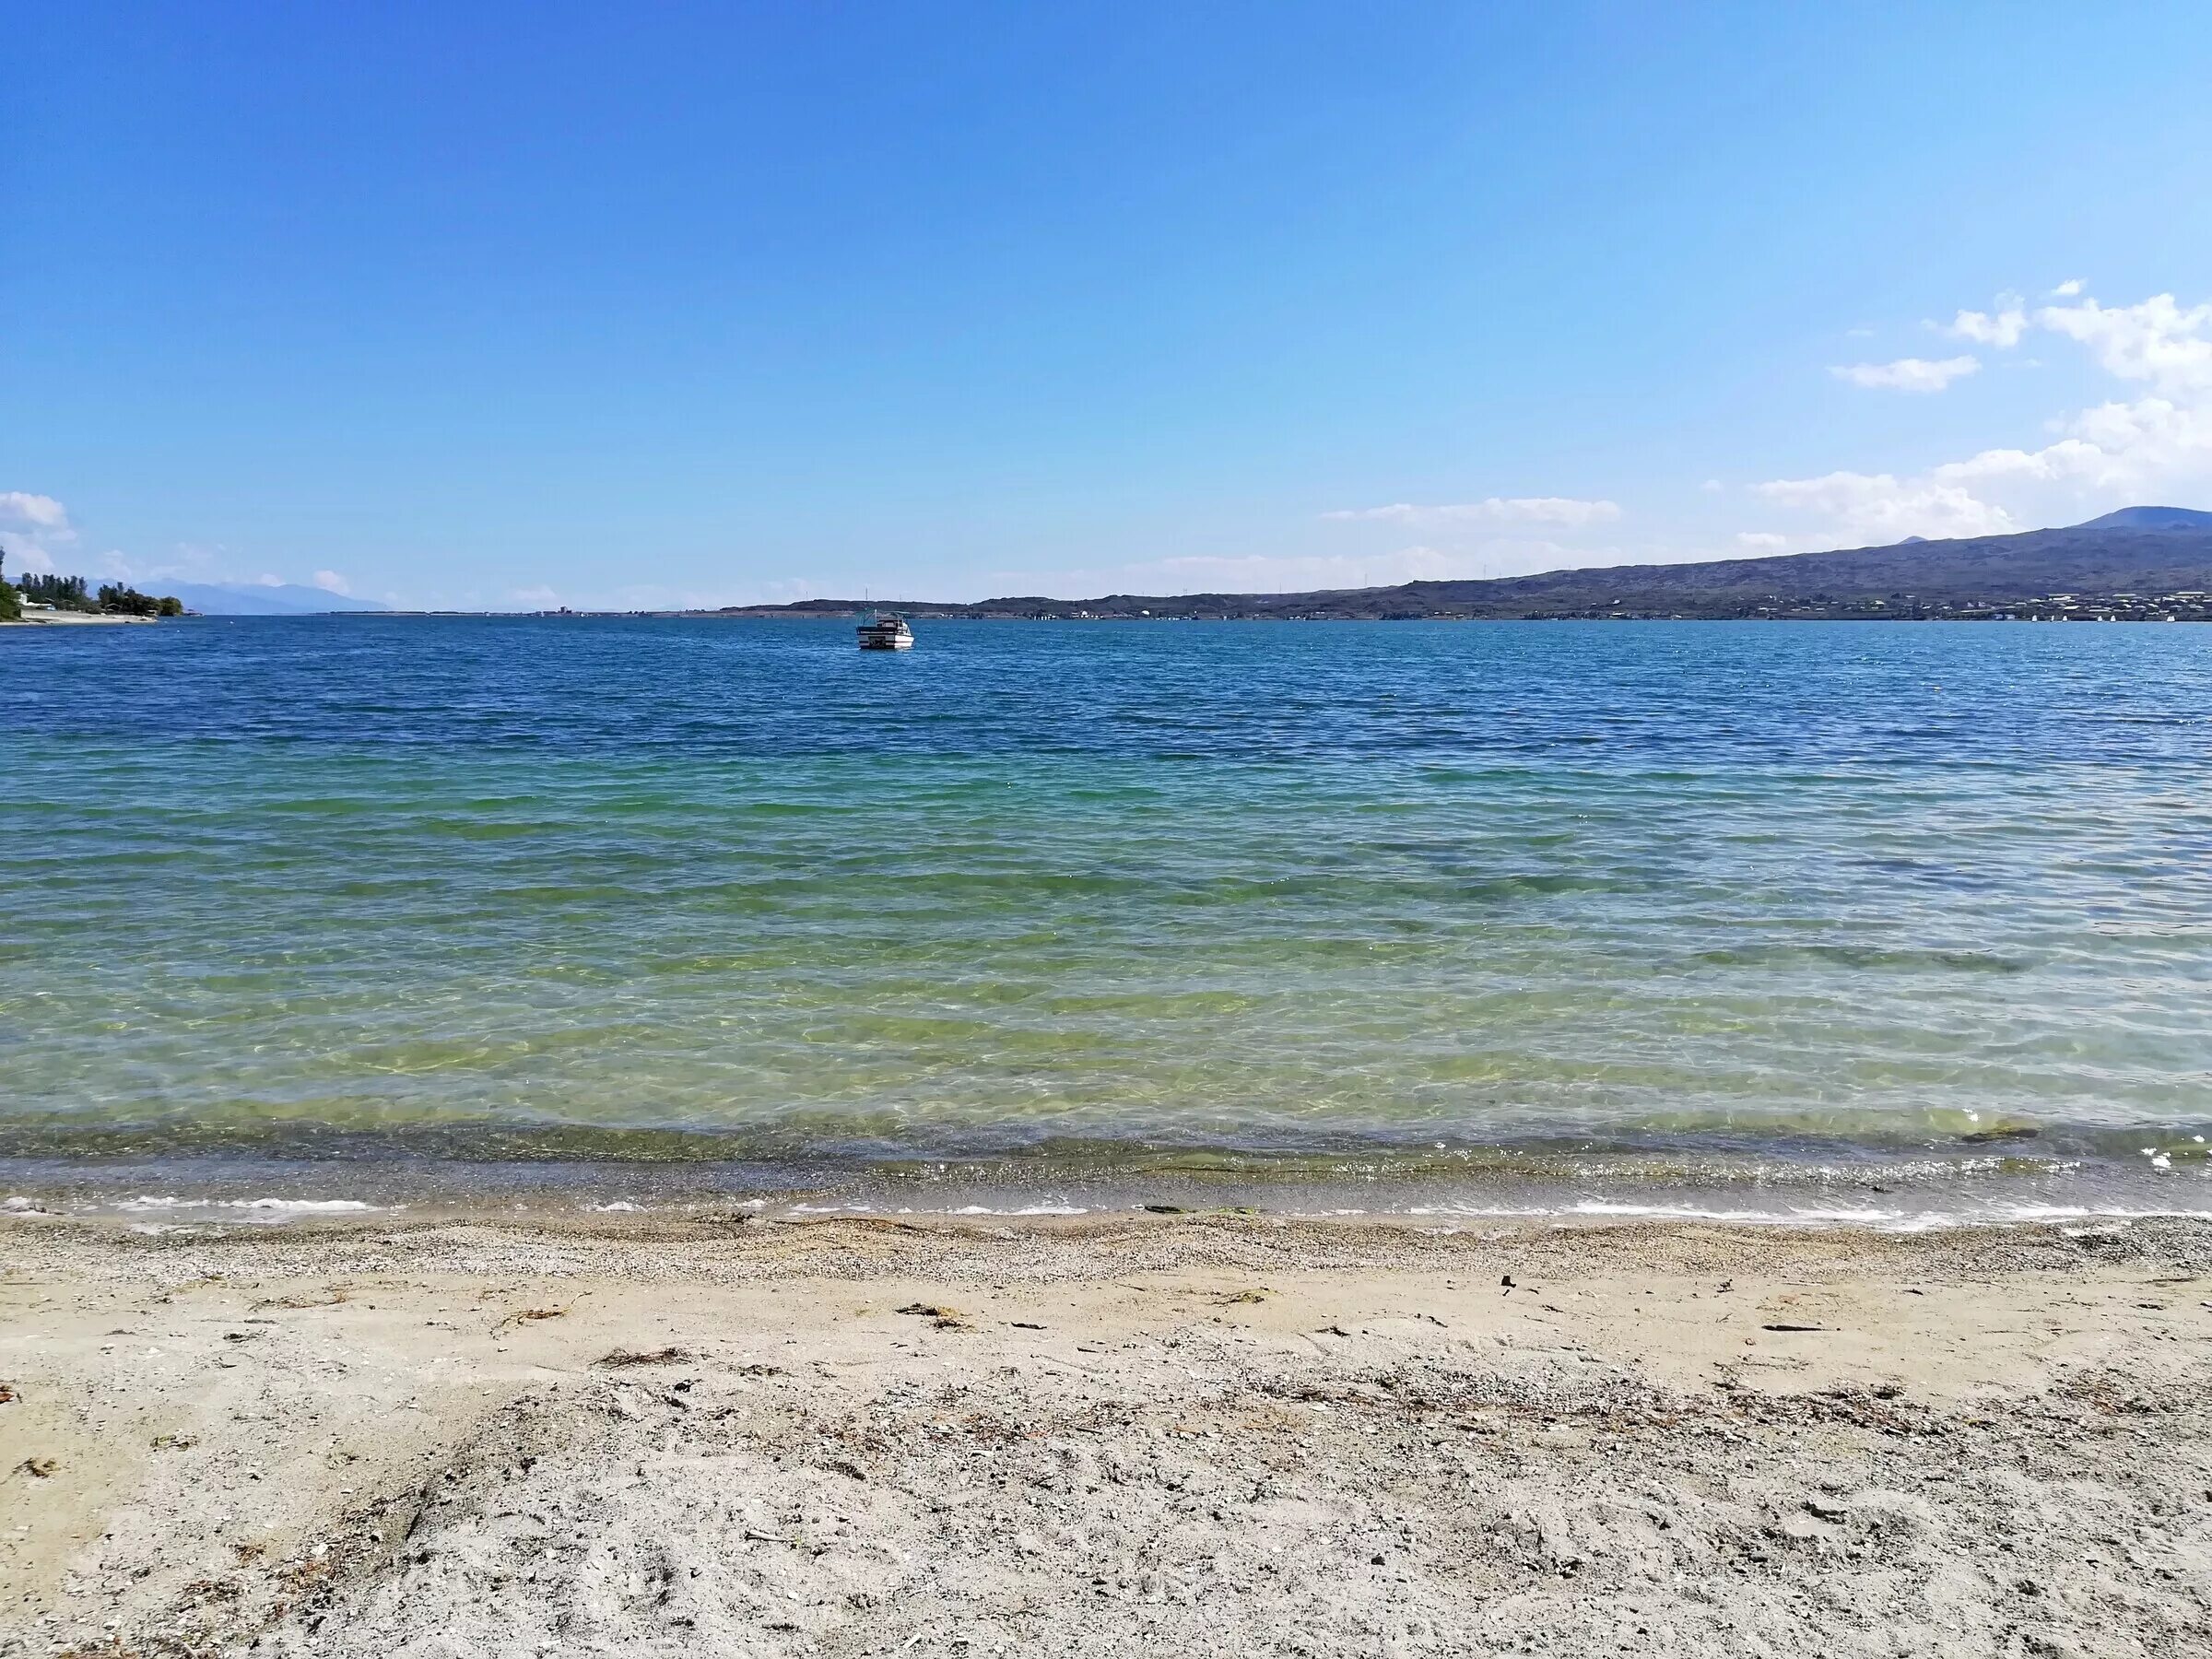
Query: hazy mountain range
278	599
2147	550
2151	518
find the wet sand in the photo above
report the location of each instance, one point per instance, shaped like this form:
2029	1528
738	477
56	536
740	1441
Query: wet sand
1197	1435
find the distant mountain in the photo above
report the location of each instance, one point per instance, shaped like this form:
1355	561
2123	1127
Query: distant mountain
2150	551
2152	518
280	599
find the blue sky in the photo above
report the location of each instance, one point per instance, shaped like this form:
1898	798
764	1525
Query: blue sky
498	305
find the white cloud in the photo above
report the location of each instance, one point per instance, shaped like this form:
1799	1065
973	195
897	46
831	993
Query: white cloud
1908	374
1495	509
2069	458
2113	454
535	598
41	514
2146	444
38	530
2157	341
1882	508
2001	327
330	582
2067	289
1761	541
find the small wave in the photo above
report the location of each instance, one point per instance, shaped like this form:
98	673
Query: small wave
258	1210
1864	958
1878	1220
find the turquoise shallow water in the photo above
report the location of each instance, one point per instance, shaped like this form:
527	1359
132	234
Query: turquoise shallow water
1679	900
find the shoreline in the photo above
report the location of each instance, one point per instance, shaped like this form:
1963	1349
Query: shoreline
1996	1186
1216	1434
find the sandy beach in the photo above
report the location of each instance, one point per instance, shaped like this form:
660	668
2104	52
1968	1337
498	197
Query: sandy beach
1199	1435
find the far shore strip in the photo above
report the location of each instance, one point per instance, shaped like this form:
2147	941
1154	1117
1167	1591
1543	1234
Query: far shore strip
69	619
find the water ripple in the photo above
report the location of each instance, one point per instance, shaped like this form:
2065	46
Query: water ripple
1155	891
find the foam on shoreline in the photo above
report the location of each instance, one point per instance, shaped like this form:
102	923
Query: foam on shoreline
516	1198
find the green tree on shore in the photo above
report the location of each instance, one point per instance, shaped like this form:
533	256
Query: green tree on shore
11	602
74	593
64	593
119	599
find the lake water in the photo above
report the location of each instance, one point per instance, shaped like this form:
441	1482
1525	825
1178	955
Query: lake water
1438	915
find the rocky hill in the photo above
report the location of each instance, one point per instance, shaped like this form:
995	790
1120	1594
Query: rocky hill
2139	553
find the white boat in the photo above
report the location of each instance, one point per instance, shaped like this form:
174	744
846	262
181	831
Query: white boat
885	633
